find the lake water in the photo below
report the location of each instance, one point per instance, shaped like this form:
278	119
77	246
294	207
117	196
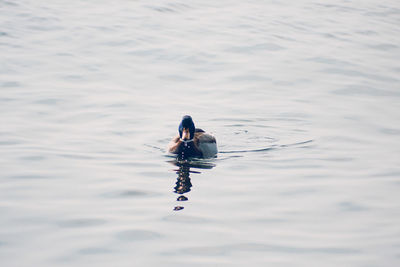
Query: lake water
302	96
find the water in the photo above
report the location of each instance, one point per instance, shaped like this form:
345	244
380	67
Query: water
302	96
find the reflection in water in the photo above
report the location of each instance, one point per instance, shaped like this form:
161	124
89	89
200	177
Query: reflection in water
183	183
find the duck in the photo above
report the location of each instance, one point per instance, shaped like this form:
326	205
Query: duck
192	142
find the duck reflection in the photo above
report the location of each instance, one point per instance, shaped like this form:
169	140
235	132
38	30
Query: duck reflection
183	183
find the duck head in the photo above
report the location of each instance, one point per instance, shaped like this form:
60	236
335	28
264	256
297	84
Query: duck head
186	128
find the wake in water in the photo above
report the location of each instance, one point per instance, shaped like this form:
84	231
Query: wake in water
272	147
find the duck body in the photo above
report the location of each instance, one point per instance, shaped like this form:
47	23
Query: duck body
192	141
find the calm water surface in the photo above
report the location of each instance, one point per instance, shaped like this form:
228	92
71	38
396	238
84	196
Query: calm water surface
303	97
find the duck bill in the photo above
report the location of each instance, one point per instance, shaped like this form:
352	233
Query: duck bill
186	134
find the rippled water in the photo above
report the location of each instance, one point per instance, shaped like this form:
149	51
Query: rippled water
303	97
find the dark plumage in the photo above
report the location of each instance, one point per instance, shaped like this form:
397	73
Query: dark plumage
192	141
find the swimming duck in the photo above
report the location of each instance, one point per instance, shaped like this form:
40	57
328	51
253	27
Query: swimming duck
192	141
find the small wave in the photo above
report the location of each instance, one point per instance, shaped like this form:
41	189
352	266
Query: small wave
156	148
266	148
272	147
297	144
250	150
194	163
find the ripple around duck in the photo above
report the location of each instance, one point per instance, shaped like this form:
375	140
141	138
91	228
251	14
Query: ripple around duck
272	147
193	163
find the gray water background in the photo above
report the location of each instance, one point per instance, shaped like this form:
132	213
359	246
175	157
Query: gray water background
302	96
